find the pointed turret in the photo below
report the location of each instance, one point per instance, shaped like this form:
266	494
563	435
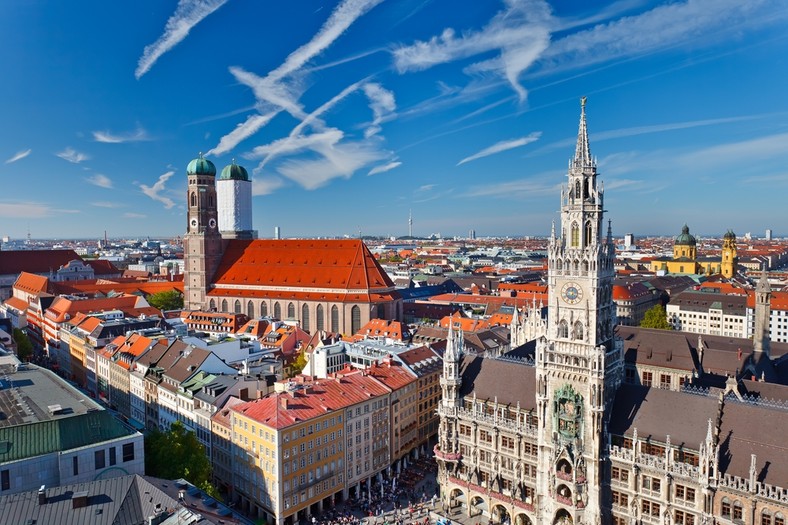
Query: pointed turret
582	150
451	379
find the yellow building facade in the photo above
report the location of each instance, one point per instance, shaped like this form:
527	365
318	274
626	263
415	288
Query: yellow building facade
685	258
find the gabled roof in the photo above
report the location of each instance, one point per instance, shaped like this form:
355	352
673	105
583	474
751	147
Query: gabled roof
31	283
35	261
102	267
484	376
340	265
124	500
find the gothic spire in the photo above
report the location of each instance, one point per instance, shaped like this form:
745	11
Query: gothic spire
763	282
582	150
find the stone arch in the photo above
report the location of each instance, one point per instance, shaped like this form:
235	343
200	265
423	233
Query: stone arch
562	517
563	469
478	507
500	514
522	519
194	199
457	498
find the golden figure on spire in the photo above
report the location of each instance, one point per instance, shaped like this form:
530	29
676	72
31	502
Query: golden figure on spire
583	102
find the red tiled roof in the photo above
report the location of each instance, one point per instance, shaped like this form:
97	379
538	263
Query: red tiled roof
35	261
327	264
102	267
63	307
31	283
16	303
381	328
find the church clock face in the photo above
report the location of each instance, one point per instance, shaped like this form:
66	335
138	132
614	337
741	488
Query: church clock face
193	224
212	223
571	293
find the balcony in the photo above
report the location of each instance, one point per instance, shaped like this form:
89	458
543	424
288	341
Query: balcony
446	456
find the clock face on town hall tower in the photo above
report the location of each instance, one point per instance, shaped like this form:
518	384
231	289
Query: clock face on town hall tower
571	293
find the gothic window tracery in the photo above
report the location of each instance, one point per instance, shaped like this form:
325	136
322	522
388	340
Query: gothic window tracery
237	307
575	235
563	329
224	305
319	318
578	330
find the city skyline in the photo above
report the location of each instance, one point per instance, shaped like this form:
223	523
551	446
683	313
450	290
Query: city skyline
351	115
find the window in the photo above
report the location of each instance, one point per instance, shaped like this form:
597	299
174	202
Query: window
649	508
334	319
355	319
237	306
250	310
575	235
737	510
128	452
664	381
588	239
5	479
725	509
305	317
277	310
563	329
620	499
648	377
112	458
291	311
319	324
100	459
652	484
620	474
75	465
684	518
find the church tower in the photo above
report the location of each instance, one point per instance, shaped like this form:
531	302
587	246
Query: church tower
579	363
729	258
763	309
234	196
451	379
202	244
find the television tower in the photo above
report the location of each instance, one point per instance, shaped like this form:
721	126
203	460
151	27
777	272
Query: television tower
410	223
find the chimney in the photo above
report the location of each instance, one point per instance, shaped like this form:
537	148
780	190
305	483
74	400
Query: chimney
283	402
42	495
79	499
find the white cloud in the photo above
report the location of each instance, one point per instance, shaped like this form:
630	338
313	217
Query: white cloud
242	131
538	186
292	145
108	137
382	104
384	168
338	160
106	204
187	15
504	145
102	181
665	26
281	89
738	153
19	155
71	155
521	33
25	210
266	185
130	215
155	191
425	187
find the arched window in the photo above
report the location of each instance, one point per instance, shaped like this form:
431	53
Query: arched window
237	306
277	310
725	508
355	319
263	310
738	511
577	189
558	265
587	189
563	329
766	517
578	330
585	267
779	519
320	325
588	239
334	319
291	311
194	199
305	317
212	305
224	305
250	310
575	235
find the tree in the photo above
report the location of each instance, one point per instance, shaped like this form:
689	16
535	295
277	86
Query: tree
656	318
24	348
167	300
299	364
178	454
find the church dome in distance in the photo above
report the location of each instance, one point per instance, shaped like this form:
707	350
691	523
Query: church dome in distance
685	238
201	166
729	235
234	172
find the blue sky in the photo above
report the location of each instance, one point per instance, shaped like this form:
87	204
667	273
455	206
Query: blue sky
349	114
